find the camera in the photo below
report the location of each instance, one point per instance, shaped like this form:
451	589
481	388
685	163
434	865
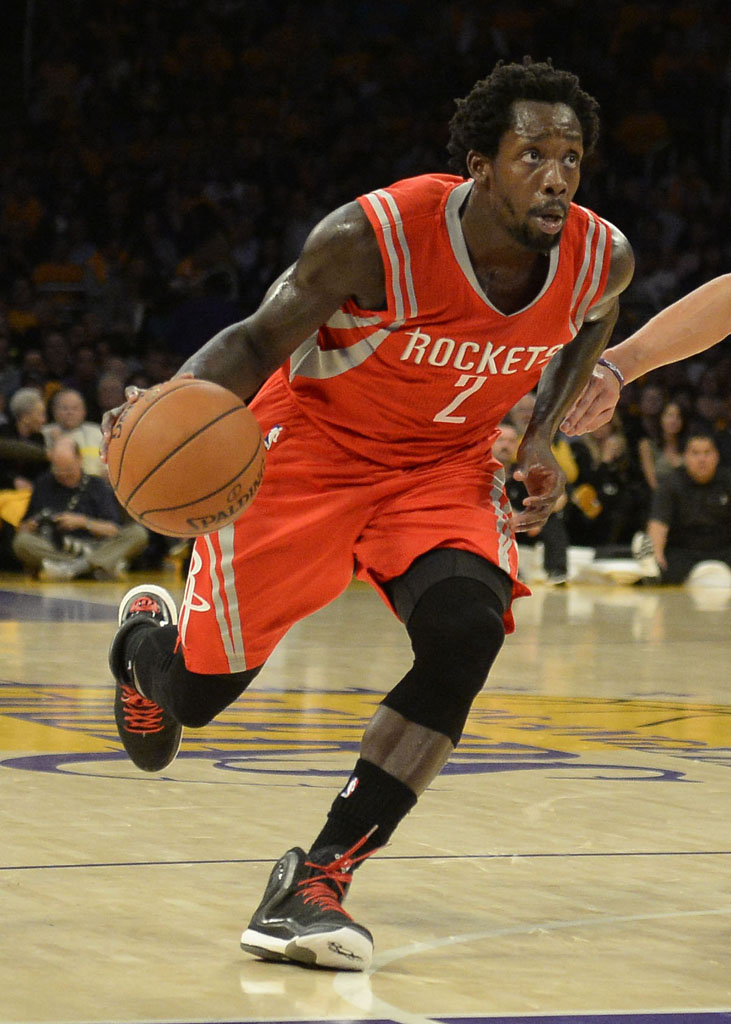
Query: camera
46	520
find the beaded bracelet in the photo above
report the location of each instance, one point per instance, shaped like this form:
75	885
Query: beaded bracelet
613	369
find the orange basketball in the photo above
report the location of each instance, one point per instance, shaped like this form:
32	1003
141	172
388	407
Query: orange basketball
186	458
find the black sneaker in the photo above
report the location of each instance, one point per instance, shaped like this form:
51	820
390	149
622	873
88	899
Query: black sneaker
301	919
150	735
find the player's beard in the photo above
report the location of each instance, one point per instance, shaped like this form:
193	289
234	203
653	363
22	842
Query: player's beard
532	238
526	234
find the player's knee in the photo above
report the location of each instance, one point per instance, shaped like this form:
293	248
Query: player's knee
192	717
456	632
195	700
457	628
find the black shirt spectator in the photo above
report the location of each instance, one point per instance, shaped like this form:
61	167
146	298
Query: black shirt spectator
690	518
92	497
73	525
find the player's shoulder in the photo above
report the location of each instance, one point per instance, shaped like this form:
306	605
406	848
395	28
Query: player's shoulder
621	256
341	232
588	218
417	193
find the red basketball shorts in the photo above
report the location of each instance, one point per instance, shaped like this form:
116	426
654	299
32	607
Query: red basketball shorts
322	515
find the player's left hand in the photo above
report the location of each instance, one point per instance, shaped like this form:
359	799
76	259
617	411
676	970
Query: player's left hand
595	405
544	480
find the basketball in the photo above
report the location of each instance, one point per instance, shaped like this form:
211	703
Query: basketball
186	458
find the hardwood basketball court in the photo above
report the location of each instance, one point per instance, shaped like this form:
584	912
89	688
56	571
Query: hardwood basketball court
573	861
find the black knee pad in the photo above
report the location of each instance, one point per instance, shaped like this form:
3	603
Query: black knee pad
456	632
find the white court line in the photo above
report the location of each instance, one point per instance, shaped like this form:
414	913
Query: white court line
352	989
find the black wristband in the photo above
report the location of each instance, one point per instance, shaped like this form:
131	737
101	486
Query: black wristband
612	369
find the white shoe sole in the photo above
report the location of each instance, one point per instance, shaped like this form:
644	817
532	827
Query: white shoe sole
150	588
343	949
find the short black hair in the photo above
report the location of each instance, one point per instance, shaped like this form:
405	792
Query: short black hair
485	114
699	432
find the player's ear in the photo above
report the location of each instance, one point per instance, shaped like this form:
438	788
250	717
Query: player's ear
479	166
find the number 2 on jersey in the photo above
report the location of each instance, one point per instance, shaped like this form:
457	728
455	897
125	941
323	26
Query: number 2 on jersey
446	414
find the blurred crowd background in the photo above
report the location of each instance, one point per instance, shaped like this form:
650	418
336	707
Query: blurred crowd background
162	162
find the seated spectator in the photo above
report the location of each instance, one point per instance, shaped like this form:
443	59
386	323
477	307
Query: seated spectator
33	372
110	392
84	379
690	517
57	360
22	459
709	405
643	421
722	436
68	410
59	277
22	312
23	451
73	526
553	534
9	372
661	451
605	507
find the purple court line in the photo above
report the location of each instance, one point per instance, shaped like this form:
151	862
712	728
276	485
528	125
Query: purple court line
641	1017
669	1017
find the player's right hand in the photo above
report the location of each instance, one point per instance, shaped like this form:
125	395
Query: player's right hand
111	416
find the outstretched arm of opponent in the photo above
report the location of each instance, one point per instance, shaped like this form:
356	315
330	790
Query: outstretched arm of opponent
692	324
561	383
340	259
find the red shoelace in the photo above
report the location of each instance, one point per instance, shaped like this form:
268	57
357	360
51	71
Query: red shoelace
140	714
144	603
327	888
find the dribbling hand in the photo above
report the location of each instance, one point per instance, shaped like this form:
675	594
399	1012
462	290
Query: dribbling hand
110	417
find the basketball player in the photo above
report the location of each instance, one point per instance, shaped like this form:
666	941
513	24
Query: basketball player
692	324
382	362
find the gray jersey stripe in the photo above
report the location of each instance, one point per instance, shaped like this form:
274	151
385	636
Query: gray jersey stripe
340	320
226	540
311	361
502	521
376	199
232	644
593	288
582	275
408	276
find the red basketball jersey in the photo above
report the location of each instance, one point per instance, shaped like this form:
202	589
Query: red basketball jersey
434	373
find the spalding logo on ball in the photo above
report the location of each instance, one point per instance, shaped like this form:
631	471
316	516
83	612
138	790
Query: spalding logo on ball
186	458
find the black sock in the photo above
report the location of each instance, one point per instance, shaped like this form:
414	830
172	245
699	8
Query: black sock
371	798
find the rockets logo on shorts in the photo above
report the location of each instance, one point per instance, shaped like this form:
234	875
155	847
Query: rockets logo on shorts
192	602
